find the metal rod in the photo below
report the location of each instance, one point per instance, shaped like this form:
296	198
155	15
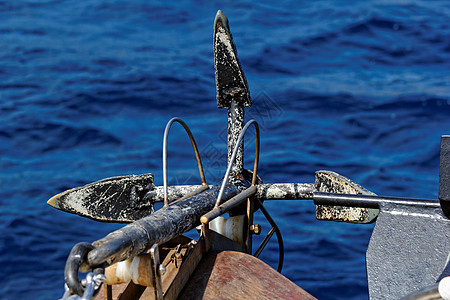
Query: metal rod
278	233
109	292
257	145
193	193
249	232
194	146
154	253
264	242
223	208
235	126
205	237
266	191
230	164
369	201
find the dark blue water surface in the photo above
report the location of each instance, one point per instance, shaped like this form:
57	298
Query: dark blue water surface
86	88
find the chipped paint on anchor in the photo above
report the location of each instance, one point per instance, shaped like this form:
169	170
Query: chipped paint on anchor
235	125
331	182
115	199
222	36
231	85
173	192
285	191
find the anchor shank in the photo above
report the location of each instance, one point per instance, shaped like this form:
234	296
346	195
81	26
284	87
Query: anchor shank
235	125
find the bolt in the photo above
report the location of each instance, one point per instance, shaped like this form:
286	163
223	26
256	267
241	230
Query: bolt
162	269
256	229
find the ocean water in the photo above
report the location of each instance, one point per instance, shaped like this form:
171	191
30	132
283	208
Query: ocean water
86	88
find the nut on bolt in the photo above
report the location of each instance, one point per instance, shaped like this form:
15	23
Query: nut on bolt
256	229
162	269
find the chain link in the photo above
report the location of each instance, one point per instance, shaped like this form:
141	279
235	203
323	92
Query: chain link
92	283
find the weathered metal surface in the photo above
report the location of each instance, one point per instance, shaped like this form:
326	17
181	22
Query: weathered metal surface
235	275
201	189
175	192
231	85
235	125
407	251
133	204
331	182
285	191
269	191
137	205
159	227
444	175
115	199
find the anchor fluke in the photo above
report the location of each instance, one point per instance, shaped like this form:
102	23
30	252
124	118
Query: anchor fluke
231	83
115	199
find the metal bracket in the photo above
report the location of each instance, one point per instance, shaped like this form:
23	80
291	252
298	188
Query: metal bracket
444	175
409	246
155	265
407	251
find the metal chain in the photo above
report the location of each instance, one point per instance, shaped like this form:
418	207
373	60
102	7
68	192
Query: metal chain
86	288
92	284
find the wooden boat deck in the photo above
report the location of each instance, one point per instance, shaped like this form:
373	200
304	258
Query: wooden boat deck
226	275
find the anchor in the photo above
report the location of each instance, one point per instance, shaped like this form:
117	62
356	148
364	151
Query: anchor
407	253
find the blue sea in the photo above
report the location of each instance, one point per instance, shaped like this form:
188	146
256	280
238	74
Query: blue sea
86	88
